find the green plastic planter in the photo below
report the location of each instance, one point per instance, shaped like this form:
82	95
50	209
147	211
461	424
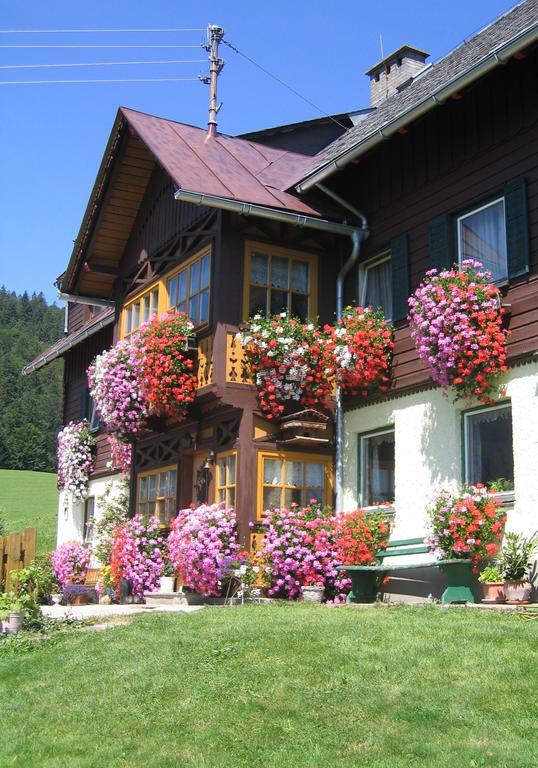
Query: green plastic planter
459	581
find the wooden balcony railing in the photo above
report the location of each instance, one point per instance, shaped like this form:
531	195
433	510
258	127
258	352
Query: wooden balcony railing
204	370
220	359
236	367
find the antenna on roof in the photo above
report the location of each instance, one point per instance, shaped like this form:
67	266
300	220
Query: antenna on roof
214	36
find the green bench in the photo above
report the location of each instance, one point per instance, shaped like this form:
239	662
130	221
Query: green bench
364	578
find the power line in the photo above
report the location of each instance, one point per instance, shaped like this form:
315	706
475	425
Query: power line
134	45
278	80
101	64
29	31
119	80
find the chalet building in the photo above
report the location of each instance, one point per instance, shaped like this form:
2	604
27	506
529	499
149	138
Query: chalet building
442	165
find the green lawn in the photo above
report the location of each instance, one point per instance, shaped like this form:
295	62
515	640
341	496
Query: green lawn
30	499
283	686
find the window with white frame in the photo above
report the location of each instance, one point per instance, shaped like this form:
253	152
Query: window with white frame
376	456
375	284
93	416
482	236
489	454
89	517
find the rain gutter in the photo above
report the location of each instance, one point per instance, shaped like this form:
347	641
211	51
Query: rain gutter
68	344
499	55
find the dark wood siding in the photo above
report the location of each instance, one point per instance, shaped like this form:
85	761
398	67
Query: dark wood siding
75	385
460	155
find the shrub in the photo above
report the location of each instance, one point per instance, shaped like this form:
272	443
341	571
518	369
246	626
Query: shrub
516	556
202	546
70	563
37	580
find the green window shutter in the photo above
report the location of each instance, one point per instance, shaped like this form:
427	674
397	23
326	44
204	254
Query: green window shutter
517	228
440	243
400	277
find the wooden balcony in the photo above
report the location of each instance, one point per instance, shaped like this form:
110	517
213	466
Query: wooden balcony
220	359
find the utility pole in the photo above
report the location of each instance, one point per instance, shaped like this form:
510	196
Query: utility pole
214	36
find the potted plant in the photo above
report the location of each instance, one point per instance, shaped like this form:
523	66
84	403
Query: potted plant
313	589
11	613
492	583
167	581
516	560
78	594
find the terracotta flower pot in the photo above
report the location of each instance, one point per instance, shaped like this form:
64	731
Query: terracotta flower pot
313	594
493	592
518	591
79	600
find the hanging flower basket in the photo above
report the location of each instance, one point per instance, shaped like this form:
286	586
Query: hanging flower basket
115	378
287	361
359	350
456	324
168	366
75	458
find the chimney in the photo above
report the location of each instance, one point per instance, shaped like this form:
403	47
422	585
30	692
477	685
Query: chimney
389	74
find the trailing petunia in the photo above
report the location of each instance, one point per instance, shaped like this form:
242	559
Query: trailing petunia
116	386
469	524
359	350
168	368
137	555
70	563
75	459
456	324
203	546
121	454
287	361
299	548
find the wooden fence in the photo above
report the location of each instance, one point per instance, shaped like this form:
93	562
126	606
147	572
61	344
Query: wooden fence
17	550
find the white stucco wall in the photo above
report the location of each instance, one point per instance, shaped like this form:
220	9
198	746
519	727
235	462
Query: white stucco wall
428	450
71	514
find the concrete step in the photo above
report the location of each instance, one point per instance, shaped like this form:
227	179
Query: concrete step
173	598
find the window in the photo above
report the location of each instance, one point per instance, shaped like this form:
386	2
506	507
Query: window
89	516
482	236
488	445
285	479
226	474
140	311
156	494
93	416
375	284
376	456
188	289
279	281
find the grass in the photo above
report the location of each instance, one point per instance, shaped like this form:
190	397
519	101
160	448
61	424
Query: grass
287	686
30	500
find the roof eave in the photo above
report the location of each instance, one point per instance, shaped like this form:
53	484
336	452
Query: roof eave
498	56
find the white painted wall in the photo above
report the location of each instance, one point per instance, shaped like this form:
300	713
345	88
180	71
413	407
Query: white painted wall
71	514
428	450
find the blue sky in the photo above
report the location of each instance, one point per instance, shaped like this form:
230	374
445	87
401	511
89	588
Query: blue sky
53	136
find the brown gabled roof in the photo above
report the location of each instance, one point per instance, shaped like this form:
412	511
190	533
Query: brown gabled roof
517	27
93	325
225	166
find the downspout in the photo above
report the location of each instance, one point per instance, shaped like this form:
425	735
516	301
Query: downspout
357	236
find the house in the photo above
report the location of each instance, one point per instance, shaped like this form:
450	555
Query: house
444	155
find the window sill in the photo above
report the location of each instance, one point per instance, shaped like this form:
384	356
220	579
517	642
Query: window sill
387	509
507	498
